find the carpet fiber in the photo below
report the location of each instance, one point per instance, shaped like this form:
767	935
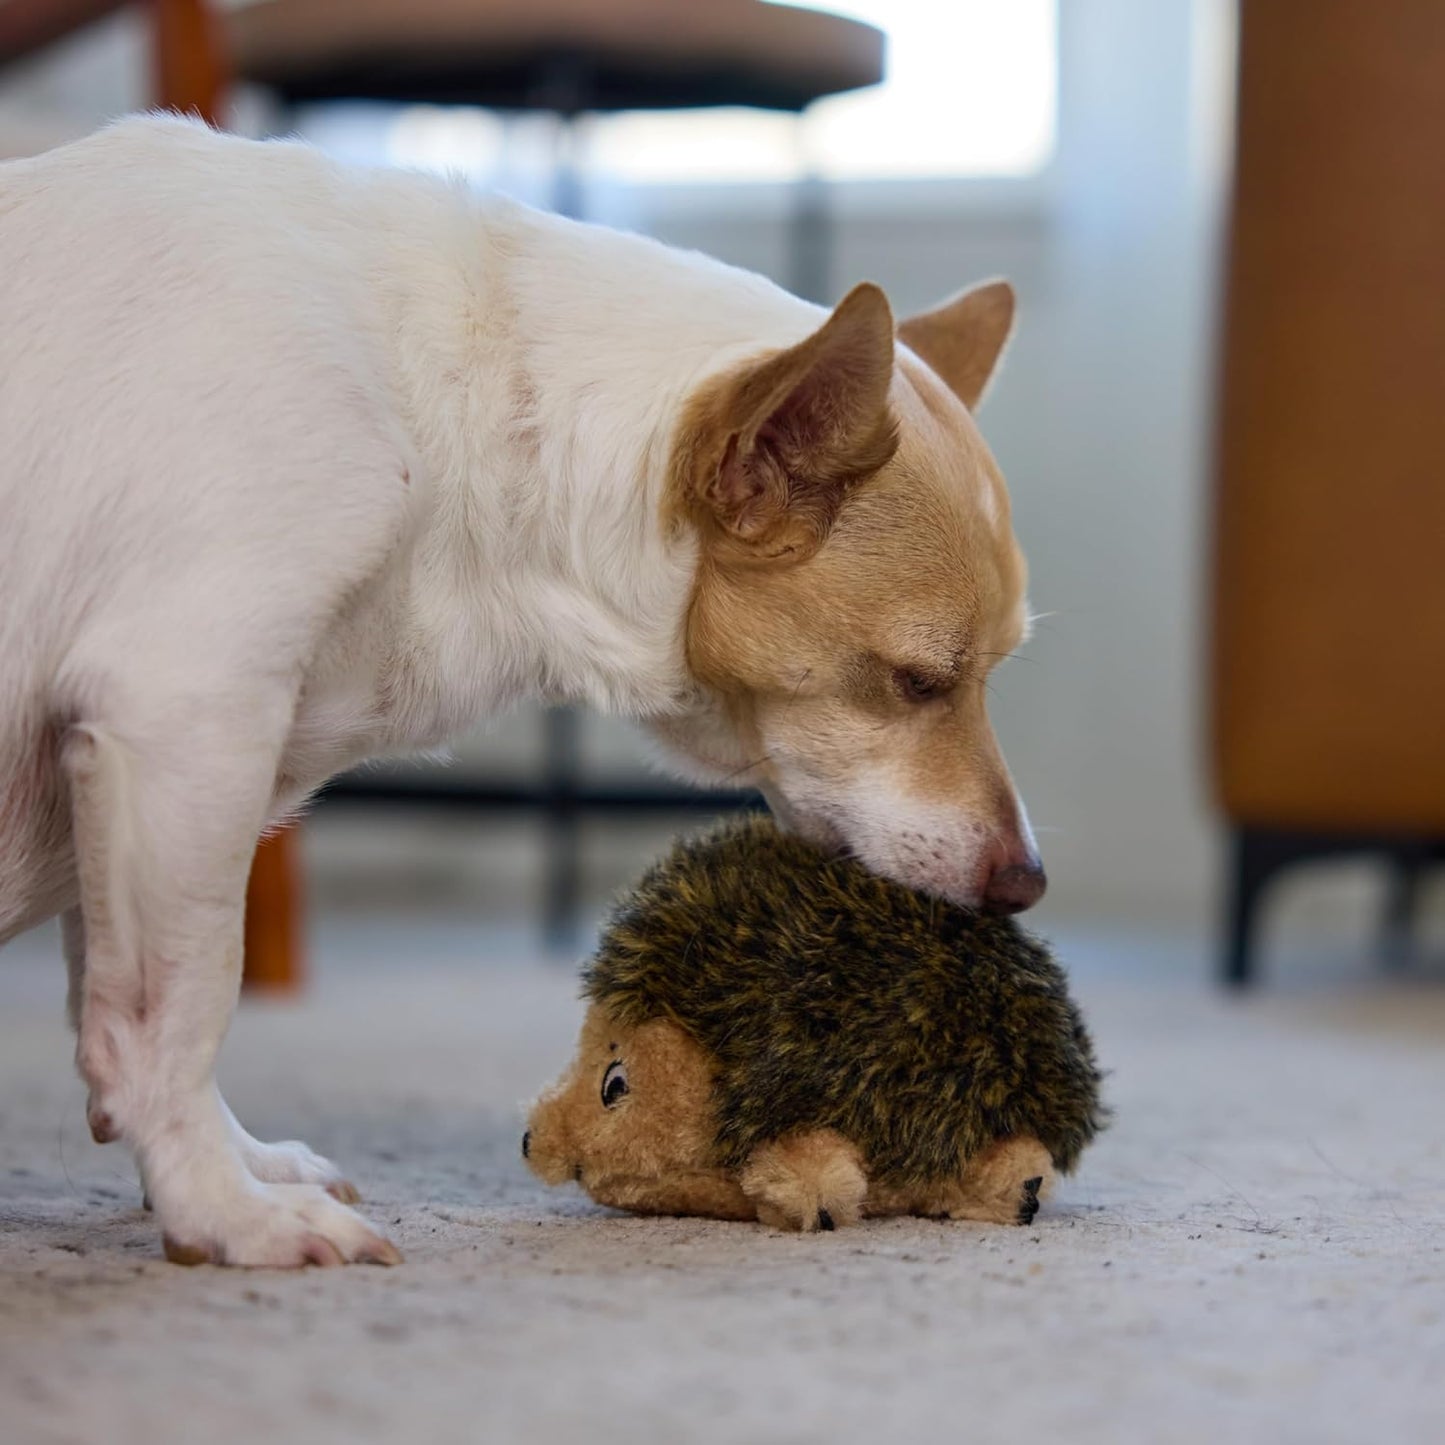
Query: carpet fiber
1253	1251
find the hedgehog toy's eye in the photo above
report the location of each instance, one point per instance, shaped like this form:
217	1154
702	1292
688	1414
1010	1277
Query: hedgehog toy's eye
614	1083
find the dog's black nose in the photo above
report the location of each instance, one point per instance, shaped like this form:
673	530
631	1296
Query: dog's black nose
526	1143
1014	888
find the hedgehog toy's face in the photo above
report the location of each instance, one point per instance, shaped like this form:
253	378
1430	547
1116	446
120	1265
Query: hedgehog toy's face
631	1120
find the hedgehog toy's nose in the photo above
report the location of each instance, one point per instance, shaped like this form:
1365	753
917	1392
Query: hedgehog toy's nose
1014	887
526	1144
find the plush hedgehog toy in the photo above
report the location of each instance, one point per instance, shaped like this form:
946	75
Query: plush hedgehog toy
777	1034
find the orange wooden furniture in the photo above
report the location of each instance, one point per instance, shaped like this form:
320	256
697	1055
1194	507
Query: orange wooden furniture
1328	664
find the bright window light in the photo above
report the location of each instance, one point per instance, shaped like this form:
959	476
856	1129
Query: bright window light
969	90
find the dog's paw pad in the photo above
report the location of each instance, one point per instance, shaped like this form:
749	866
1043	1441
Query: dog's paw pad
186	1254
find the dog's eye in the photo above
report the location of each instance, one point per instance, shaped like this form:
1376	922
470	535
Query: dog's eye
919	686
614	1083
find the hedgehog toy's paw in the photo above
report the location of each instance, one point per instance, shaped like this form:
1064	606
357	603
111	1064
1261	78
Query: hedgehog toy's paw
806	1181
1029	1199
1004	1184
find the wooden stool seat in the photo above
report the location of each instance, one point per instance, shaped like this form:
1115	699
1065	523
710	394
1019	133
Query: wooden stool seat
622	54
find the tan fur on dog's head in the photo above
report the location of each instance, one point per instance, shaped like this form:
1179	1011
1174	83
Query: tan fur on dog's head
858	581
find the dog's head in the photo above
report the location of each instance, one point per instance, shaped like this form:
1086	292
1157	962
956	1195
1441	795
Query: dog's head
858	580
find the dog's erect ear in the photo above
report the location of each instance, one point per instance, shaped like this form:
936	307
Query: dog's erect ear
784	439
963	339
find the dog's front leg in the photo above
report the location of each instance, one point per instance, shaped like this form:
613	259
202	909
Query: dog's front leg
289	1162
165	818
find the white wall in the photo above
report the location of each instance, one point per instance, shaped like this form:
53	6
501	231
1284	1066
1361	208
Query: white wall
1099	420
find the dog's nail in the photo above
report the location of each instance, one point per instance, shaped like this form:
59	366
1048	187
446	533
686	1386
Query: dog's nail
344	1191
384	1252
321	1252
186	1254
825	1220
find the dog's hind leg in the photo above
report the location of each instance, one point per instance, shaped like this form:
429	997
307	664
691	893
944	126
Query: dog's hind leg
166	807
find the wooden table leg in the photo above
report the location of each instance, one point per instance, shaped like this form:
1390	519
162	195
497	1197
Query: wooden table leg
190	69
274	958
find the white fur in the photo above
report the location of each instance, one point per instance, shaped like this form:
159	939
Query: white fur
929	845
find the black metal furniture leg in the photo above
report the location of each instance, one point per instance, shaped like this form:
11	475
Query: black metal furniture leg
1258	853
1251	864
810	240
1402	899
564	91
810	230
564	832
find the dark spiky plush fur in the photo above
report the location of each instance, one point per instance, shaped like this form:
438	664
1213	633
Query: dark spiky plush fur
832	997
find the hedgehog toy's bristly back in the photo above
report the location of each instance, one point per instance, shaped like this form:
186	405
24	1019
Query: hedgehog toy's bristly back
831	997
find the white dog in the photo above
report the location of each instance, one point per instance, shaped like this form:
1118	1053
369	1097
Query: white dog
299	465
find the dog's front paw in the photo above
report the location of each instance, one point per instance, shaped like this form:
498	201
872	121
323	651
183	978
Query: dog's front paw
276	1226
806	1181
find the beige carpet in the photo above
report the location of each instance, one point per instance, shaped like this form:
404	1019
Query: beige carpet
1253	1253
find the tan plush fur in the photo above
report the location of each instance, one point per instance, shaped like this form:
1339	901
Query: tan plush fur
1003	1185
812	1180
654	1150
636	1155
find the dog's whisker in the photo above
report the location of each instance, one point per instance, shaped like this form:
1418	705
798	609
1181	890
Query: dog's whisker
60	1148
746	768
